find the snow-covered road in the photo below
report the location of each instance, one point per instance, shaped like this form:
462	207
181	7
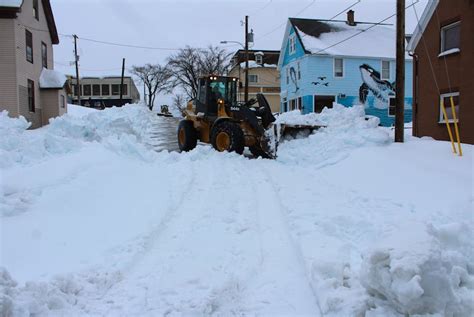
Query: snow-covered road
95	222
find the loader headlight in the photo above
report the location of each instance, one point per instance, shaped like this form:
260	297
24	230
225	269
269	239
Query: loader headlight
220	101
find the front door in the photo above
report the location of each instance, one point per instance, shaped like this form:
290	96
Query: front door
323	101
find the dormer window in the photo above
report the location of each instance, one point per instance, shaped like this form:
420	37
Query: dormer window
292	43
259	58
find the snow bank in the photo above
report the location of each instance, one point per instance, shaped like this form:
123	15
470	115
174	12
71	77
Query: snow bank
423	272
54	297
79	111
119	129
344	128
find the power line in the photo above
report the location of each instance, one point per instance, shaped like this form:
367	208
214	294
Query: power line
345	10
130	45
282	24
261	9
362	31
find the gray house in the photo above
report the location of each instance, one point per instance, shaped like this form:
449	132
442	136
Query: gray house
29	86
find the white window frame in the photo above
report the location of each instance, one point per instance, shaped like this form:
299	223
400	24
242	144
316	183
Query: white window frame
441	116
259	59
292	44
443	50
256	77
389	70
334	67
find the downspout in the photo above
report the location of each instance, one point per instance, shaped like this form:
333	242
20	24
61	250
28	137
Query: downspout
415	94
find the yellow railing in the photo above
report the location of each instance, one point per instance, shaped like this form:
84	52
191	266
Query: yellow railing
446	120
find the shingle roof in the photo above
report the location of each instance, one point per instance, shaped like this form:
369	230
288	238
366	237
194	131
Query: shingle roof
338	38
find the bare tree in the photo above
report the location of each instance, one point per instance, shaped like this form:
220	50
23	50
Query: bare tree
190	63
156	78
179	101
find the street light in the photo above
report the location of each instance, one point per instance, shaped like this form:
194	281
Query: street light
227	42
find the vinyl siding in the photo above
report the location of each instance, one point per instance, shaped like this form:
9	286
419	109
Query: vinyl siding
51	101
25	70
8	73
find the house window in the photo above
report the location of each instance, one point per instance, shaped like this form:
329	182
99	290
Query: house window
292	44
299	71
105	90
35	9
115	90
259	59
446	98
124	89
31	95
451	38
29	46
63	101
253	78
338	67
96	90
87	90
391	106
44	54
285	105
385	70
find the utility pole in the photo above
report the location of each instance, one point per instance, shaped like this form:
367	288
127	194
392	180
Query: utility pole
400	73
78	82
121	82
246	96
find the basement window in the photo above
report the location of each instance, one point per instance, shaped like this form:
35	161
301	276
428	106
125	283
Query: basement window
446	98
451	38
31	95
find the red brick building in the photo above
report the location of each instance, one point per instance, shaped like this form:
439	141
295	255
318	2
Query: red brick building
443	49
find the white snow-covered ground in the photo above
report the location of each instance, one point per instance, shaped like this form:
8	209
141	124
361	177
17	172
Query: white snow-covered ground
94	222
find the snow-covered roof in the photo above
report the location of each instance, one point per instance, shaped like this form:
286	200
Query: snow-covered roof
422	23
11	3
339	38
254	64
52	79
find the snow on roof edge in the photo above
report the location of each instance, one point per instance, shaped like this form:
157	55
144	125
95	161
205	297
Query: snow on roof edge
52	79
11	3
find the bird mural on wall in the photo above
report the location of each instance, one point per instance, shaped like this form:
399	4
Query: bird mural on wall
321	81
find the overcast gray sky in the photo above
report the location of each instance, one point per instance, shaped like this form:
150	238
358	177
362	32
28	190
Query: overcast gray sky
174	24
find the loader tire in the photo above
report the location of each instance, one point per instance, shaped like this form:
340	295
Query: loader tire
228	136
187	135
258	152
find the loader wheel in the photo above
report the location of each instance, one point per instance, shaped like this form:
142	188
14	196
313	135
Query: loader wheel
258	152
227	136
187	135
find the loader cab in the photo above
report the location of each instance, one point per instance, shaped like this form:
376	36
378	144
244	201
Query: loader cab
213	88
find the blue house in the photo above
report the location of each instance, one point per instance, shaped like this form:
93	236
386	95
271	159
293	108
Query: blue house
347	62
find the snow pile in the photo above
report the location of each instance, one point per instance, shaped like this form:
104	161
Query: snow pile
79	111
50	78
343	128
46	298
424	272
119	129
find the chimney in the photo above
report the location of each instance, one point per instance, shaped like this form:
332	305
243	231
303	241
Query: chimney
350	18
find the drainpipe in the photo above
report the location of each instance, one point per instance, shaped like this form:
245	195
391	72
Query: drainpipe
415	94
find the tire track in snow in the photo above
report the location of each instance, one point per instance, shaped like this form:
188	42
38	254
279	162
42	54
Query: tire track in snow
281	256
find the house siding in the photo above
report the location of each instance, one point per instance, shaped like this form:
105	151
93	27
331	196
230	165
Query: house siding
268	77
345	90
51	101
459	67
8	77
26	70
